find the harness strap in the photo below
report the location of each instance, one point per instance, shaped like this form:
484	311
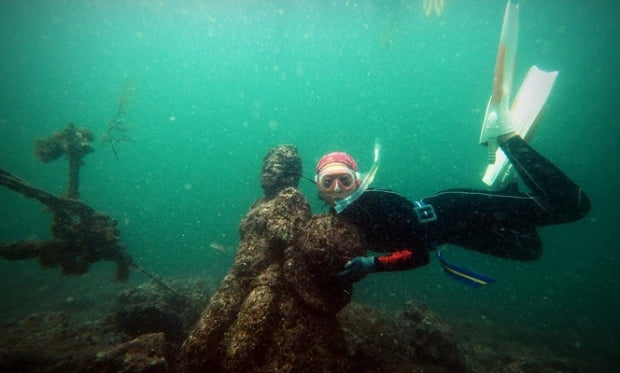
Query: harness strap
424	212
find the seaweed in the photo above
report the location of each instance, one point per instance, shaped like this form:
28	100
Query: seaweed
116	131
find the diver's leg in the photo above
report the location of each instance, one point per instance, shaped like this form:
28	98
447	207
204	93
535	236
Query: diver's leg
509	242
489	222
561	197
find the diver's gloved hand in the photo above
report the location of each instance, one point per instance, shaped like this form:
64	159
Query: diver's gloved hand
357	268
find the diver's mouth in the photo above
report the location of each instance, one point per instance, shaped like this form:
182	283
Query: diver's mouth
334	198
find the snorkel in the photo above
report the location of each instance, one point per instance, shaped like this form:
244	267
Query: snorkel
343	203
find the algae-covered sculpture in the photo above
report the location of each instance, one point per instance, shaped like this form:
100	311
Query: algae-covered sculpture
281	169
275	310
82	236
73	143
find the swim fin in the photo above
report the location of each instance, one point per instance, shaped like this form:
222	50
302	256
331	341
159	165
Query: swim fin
524	114
497	119
521	117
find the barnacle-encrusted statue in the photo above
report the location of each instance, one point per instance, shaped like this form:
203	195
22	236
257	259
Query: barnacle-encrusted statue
275	310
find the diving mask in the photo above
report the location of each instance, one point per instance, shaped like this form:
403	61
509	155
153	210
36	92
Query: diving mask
341	204
337	179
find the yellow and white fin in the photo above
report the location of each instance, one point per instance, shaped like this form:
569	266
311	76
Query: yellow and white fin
524	113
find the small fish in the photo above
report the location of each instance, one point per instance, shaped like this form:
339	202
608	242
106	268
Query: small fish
220	248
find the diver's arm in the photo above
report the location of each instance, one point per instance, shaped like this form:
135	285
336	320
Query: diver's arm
359	267
401	260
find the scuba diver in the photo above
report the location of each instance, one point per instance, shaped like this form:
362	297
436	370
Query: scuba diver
499	223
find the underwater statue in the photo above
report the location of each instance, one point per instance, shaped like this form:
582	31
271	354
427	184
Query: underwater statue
275	310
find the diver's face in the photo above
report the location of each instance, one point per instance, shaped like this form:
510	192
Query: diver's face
336	181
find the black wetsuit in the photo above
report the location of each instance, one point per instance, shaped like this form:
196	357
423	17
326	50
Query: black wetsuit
498	223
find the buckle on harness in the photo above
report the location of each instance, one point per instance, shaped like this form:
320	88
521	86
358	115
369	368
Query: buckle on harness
424	212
